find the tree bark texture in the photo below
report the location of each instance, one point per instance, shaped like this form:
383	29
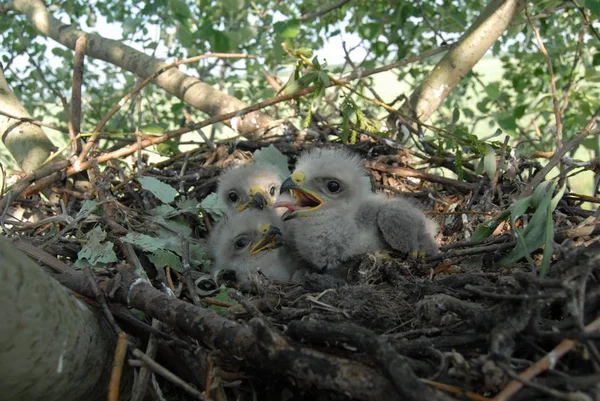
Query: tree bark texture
475	42
53	347
26	142
189	89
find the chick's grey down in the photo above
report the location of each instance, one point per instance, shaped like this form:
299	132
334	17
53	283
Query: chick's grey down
336	216
246	241
239	185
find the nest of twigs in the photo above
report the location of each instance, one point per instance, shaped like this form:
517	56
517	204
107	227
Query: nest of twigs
457	325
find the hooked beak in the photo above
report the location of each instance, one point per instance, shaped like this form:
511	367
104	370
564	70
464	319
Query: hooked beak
306	200
257	199
271	239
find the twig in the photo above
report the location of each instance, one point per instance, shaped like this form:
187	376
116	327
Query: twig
117	370
35	122
557	115
407	172
92	140
539	177
167	374
455	390
322	11
78	65
547	362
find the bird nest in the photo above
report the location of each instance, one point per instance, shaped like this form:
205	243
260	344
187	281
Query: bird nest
456	325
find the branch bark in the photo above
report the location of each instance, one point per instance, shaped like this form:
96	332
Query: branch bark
53	346
435	88
25	141
189	89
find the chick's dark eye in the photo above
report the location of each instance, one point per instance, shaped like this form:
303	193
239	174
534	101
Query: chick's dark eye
272	190
241	243
333	186
233	196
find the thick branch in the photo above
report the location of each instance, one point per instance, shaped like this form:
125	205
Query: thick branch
25	141
189	89
444	77
257	343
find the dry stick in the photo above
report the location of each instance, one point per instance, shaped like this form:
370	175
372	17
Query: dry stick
78	61
576	59
227	116
91	141
167	374
555	104
44	182
539	177
189	119
322	11
541	15
117	370
455	390
21	185
407	172
547	362
35	122
141	382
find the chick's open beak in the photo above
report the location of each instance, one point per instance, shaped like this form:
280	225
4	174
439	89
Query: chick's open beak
306	200
270	239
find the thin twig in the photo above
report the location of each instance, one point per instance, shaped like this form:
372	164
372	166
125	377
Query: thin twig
547	362
556	106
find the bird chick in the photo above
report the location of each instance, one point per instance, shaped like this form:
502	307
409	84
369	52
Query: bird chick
246	241
246	186
336	217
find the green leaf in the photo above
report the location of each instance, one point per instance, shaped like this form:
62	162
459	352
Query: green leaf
272	158
233	5
223	295
162	258
287	29
308	118
489	161
180	8
458	163
533	236
369	30
596	59
87	207
324	78
178	225
213	205
154	129
145	242
593	6
219	42
539	193
486	228
455	115
96	251
493	90
165	193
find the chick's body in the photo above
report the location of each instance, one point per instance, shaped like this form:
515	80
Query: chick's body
336	216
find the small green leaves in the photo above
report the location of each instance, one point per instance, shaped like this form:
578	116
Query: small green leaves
271	157
458	163
96	251
539	230
213	205
489	161
165	193
287	29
